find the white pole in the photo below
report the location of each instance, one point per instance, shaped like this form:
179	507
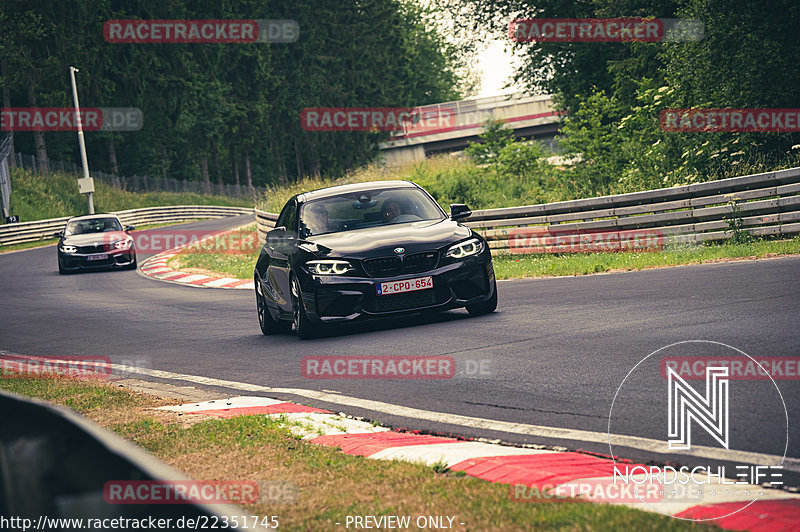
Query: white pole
72	71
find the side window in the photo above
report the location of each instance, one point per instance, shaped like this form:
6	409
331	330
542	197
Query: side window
288	217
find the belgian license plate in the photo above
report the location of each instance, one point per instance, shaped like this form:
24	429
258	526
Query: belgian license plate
97	256
406	285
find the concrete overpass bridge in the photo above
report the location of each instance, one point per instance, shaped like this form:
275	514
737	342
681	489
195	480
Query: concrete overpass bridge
531	117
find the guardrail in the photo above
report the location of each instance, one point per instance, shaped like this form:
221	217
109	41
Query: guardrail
31	231
55	464
264	222
769	205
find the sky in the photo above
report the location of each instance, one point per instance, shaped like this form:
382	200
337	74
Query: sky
497	67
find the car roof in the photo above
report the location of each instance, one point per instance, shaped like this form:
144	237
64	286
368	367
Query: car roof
92	217
353	187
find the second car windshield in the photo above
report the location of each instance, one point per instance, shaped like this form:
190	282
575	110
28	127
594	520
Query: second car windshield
93	225
366	209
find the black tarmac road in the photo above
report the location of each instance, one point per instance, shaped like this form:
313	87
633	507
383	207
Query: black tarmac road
553	355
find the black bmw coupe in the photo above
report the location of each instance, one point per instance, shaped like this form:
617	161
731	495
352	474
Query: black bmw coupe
369	250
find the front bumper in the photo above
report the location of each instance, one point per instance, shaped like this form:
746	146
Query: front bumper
332	299
80	261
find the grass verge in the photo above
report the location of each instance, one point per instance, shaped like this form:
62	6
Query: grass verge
240	266
41	197
514	266
217	259
332	485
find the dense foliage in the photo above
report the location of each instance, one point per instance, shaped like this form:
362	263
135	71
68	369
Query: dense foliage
614	92
221	111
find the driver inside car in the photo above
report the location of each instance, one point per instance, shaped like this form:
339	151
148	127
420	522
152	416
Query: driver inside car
390	210
317	220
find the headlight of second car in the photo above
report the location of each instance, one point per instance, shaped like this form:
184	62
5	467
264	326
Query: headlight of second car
69	249
123	244
473	246
328	267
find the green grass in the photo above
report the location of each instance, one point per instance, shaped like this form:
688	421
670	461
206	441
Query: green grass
238	265
543	265
332	485
28	245
39	197
80	395
447	178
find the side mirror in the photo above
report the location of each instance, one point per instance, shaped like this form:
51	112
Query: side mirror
129	228
277	234
58	234
459	211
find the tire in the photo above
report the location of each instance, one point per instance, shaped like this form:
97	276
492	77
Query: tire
302	325
268	325
487	307
61	271
132	265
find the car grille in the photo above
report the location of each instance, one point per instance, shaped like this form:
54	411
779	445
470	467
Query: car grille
420	262
414	263
384	266
407	301
100	248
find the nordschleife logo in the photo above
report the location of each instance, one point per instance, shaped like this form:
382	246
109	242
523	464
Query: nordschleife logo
709	411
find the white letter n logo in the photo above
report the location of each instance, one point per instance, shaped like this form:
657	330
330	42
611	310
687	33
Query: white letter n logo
685	405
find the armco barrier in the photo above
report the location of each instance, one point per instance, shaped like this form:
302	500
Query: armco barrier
55	464
31	231
264	221
769	206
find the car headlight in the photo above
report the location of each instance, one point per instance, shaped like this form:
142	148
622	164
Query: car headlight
473	246
328	267
69	249
123	244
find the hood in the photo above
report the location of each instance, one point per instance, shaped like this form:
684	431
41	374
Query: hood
90	239
378	241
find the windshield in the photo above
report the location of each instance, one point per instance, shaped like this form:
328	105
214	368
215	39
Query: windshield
93	225
371	208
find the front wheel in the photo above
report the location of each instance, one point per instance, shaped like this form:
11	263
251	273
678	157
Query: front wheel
268	325
302	325
487	307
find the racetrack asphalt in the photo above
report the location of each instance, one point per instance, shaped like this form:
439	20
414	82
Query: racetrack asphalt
554	354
